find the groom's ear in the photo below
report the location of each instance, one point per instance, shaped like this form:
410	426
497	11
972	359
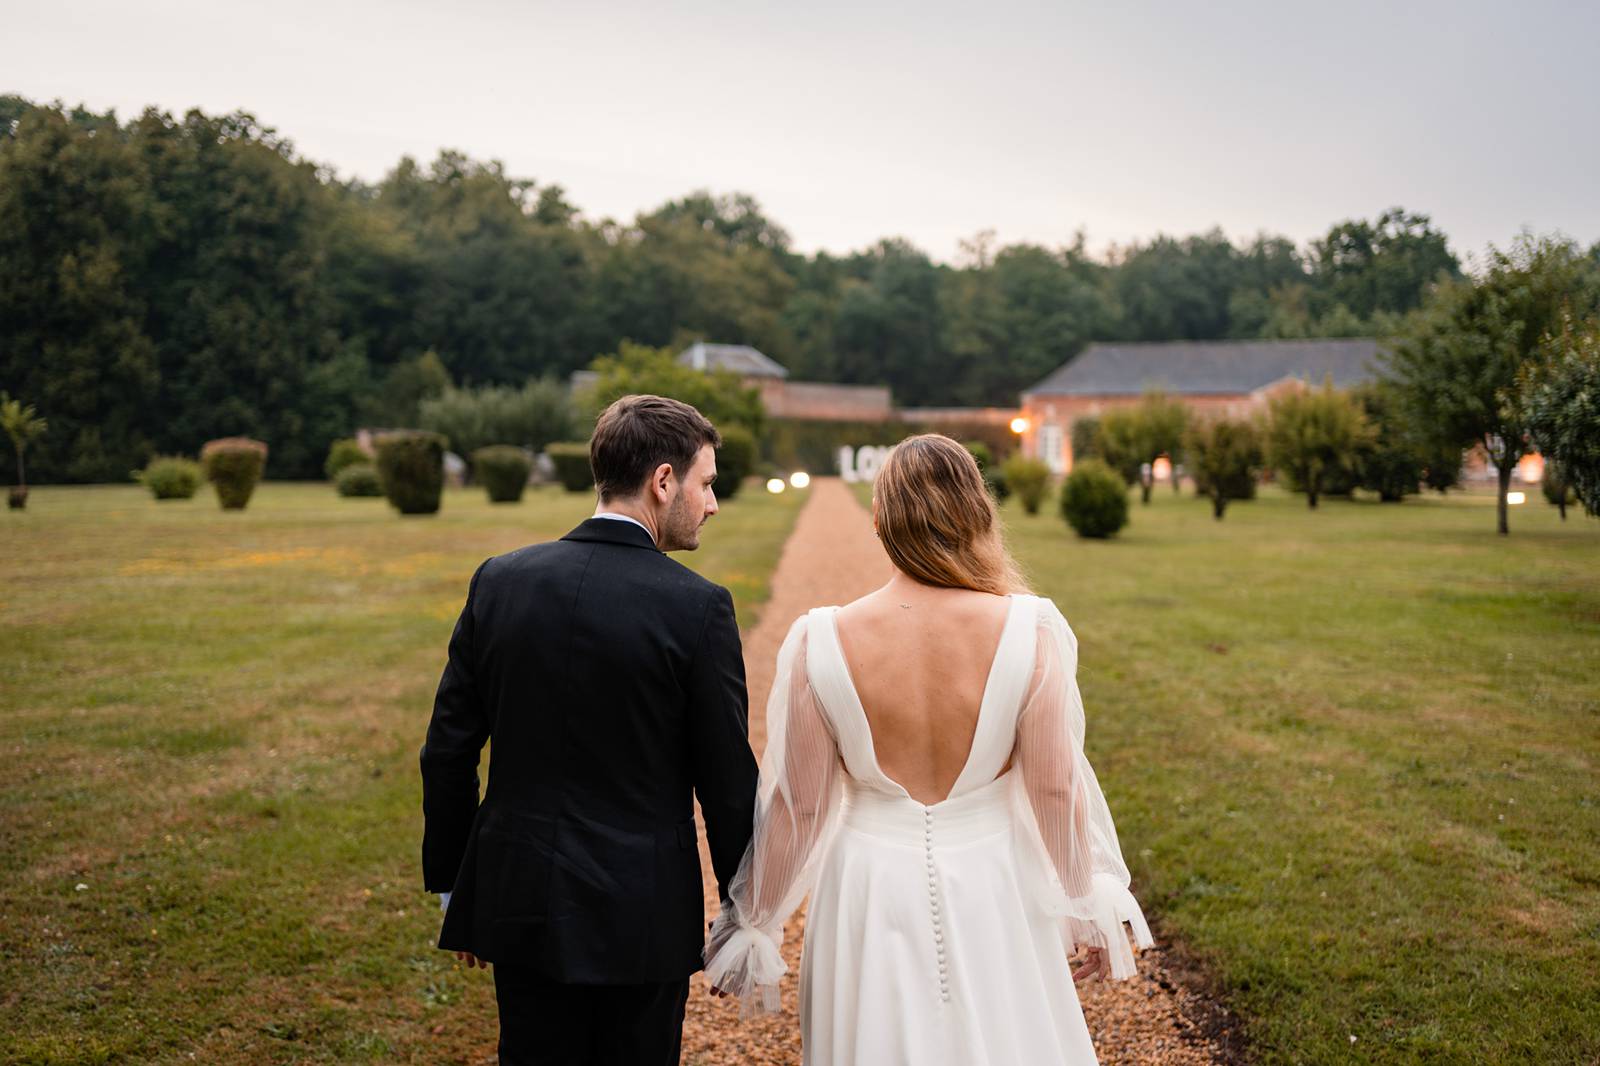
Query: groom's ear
661	483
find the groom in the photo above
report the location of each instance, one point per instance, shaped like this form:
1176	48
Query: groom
611	681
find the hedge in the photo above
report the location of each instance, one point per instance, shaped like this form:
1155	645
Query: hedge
233	465
503	470
411	468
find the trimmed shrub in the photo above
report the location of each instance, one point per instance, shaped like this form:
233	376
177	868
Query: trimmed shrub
411	469
233	465
171	477
503	470
359	479
572	465
1029	478
341	454
736	459
1094	499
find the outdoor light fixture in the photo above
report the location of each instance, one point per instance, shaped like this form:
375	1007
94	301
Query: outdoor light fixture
1162	470
799	479
1516	497
775	485
1019	425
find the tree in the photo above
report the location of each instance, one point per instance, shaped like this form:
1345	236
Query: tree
1314	434
537	414
1458	364
1560	402
634	369
1226	454
1386	265
22	424
1393	461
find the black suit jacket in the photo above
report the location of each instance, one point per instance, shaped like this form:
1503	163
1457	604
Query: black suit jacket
611	682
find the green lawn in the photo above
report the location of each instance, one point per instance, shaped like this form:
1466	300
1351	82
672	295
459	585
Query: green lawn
210	818
1354	756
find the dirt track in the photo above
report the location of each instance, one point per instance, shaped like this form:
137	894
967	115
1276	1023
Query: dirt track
831	558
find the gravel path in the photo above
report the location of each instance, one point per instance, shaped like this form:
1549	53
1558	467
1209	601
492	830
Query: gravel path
832	558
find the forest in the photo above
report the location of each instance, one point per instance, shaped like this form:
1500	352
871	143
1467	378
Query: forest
167	280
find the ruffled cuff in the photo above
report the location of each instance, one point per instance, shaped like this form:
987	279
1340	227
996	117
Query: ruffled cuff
1097	921
745	961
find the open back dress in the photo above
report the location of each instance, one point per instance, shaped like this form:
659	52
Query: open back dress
936	934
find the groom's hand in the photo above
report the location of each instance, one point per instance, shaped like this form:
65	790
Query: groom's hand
471	960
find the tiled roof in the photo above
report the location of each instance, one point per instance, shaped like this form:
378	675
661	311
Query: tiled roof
739	358
1199	367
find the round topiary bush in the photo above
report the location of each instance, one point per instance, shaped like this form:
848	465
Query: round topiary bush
411	469
1029	478
503	469
736	460
233	465
171	477
343	453
572	465
1094	499
358	479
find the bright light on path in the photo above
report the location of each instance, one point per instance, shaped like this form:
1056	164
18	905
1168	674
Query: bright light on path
799	479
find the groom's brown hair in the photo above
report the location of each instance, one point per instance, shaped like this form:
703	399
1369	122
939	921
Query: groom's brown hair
636	434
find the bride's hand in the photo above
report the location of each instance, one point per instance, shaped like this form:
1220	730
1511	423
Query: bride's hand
1095	964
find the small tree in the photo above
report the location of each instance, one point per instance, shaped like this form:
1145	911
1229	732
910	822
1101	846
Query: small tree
1086	438
1391	464
171	477
1164	421
1227	460
1094	500
22	424
1120	443
1029	479
1556	488
1313	433
1559	398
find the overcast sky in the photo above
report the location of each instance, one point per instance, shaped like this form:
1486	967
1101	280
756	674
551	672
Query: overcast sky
855	121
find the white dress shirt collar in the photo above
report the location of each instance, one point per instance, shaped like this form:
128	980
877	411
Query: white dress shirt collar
624	518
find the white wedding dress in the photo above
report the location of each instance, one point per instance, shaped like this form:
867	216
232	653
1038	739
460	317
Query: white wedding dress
936	934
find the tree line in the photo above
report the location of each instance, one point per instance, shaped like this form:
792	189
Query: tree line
167	280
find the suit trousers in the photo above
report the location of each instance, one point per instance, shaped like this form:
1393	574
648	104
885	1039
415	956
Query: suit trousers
546	1023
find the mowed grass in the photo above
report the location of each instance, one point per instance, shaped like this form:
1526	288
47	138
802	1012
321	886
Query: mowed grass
210	816
1354	757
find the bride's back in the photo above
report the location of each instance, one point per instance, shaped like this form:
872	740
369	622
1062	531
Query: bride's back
920	648
920	659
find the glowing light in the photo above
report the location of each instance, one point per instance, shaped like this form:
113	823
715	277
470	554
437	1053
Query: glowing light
1516	497
1019	425
799	479
775	485
1530	468
1161	470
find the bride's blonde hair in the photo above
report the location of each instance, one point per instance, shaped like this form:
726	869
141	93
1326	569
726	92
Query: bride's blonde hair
937	520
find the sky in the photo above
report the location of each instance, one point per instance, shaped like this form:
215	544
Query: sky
850	122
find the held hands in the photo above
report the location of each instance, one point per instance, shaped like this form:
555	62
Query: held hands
471	960
1096	964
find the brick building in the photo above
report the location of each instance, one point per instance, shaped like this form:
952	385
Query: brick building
1229	378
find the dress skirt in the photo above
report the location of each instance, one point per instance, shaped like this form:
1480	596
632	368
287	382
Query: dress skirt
922	948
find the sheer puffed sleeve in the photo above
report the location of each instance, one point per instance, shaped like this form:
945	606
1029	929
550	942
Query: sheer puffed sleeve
1062	815
797	804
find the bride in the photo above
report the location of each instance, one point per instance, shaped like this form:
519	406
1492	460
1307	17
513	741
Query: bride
924	779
